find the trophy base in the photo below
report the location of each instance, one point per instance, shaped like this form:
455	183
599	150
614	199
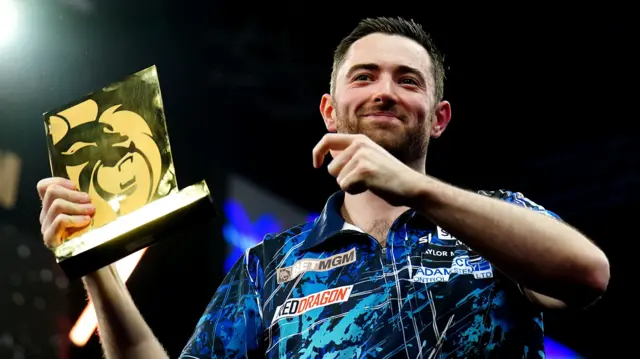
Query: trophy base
134	231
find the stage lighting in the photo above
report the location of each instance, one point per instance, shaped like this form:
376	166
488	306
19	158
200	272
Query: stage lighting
8	20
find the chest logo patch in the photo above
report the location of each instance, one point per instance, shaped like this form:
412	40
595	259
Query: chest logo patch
462	265
297	306
287	274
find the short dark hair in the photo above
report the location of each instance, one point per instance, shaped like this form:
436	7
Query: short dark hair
392	26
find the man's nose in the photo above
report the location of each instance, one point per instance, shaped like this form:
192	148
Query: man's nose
385	91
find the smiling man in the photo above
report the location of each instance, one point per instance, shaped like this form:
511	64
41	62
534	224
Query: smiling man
399	264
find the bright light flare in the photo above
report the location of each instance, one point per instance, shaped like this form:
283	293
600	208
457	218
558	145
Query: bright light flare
87	322
8	20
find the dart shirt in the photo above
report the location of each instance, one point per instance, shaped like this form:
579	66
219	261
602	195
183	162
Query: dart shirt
325	289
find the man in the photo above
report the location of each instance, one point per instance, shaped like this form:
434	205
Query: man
398	264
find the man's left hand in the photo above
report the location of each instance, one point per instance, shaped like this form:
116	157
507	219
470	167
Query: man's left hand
359	164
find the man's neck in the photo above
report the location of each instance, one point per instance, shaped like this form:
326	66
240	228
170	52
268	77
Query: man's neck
370	213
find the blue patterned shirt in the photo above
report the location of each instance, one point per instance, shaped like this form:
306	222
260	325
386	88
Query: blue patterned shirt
325	289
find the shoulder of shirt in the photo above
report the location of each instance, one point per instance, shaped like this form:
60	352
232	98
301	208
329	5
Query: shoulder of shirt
517	198
509	196
290	237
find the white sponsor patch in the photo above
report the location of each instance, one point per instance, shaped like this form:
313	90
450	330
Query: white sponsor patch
478	267
317	265
296	306
441	236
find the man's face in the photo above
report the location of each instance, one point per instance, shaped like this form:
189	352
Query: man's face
385	89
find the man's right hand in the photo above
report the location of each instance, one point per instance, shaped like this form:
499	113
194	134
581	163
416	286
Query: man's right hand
123	332
64	209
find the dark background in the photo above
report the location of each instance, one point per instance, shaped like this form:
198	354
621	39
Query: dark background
542	104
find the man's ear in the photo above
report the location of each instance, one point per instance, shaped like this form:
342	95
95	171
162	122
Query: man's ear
442	115
328	112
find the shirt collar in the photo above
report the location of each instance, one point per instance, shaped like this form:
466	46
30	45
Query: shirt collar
329	223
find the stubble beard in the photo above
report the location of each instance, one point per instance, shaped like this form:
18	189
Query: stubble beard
408	146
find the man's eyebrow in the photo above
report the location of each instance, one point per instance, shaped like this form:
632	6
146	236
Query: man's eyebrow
404	69
358	67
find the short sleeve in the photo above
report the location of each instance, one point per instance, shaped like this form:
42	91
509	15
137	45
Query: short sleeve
231	326
519	199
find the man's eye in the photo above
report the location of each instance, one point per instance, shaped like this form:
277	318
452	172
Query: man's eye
77	147
409	81
362	77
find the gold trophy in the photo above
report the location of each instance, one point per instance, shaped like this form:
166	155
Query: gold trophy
113	144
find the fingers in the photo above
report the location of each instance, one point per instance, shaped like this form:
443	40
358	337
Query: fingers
45	183
352	180
332	141
53	234
352	172
61	206
344	157
347	166
56	191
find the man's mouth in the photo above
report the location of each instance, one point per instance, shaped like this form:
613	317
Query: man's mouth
383	116
382	113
